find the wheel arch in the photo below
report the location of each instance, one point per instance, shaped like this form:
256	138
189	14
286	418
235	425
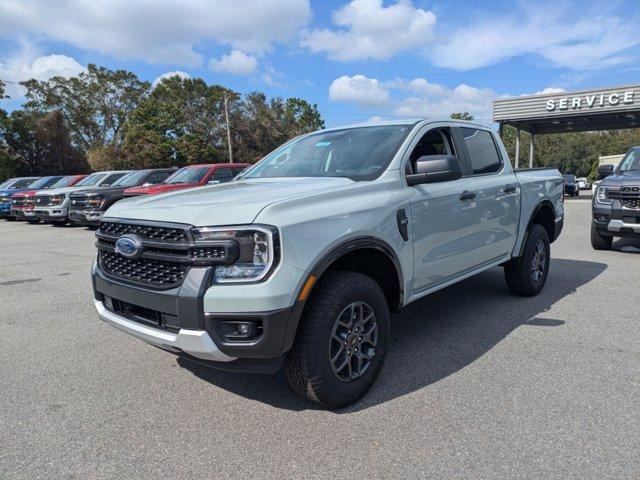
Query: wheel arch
341	257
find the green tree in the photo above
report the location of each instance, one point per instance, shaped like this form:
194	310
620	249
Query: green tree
2	88
461	116
181	122
95	105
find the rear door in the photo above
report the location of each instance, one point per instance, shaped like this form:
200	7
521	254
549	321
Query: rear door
497	195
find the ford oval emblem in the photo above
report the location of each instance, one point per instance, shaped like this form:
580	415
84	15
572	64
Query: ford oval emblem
129	246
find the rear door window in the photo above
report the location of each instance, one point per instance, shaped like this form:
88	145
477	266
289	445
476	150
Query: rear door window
110	180
482	149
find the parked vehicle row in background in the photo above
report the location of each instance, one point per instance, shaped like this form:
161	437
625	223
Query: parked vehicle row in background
616	201
83	199
8	188
571	187
191	176
87	205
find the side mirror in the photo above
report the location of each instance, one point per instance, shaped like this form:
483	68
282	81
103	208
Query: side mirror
604	171
435	168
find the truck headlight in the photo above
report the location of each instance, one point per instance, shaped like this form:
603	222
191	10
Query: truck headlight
56	199
5	199
96	201
601	196
258	251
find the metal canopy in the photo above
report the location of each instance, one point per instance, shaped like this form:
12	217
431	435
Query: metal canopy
563	112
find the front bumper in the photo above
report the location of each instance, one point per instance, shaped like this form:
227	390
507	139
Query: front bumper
52	213
175	320
615	220
23	213
85	217
196	343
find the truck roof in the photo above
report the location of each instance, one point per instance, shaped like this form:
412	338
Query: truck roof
407	121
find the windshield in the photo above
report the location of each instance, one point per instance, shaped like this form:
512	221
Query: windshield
44	182
65	182
131	179
22	183
91	180
631	161
360	153
188	175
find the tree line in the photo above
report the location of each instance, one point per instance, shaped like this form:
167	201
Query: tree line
111	119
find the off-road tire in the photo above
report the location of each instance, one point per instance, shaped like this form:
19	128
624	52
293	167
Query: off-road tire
519	272
600	242
308	365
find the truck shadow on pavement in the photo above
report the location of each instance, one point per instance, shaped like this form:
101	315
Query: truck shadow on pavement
434	337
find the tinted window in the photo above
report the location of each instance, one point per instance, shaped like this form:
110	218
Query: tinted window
65	182
631	161
157	177
111	179
22	183
482	151
188	175
130	179
360	153
222	175
91	180
237	171
44	182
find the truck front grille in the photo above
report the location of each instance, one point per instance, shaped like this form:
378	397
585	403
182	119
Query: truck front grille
79	202
23	202
629	196
43	200
155	233
145	271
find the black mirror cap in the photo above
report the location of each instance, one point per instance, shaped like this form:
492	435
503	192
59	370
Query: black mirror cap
435	168
604	171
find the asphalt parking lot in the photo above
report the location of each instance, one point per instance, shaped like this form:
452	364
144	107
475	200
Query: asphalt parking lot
478	383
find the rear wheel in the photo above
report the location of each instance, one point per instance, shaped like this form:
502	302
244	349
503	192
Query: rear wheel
598	241
341	342
527	274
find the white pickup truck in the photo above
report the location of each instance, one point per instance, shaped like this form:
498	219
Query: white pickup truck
300	261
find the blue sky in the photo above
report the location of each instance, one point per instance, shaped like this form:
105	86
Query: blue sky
356	59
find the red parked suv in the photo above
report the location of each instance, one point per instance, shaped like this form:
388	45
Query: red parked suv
191	176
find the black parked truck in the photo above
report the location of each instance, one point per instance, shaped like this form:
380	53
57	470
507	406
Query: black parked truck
616	202
86	207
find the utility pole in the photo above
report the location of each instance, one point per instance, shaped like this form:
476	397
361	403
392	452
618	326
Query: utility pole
226	116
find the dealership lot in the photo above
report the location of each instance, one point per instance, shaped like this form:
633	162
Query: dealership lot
478	383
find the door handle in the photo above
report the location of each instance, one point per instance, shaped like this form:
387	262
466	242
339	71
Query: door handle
467	195
510	189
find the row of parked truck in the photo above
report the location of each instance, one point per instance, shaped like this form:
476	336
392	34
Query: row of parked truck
83	199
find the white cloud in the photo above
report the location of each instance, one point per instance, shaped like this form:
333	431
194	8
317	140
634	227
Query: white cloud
176	73
547	90
358	89
569	36
366	29
236	63
157	32
415	98
28	63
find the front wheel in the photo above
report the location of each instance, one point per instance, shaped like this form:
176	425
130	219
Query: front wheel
527	274
341	342
600	242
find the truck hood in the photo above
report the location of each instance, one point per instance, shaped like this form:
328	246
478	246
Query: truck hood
159	188
231	203
623	179
106	191
59	191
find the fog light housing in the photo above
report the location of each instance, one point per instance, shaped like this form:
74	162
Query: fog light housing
240	330
108	302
